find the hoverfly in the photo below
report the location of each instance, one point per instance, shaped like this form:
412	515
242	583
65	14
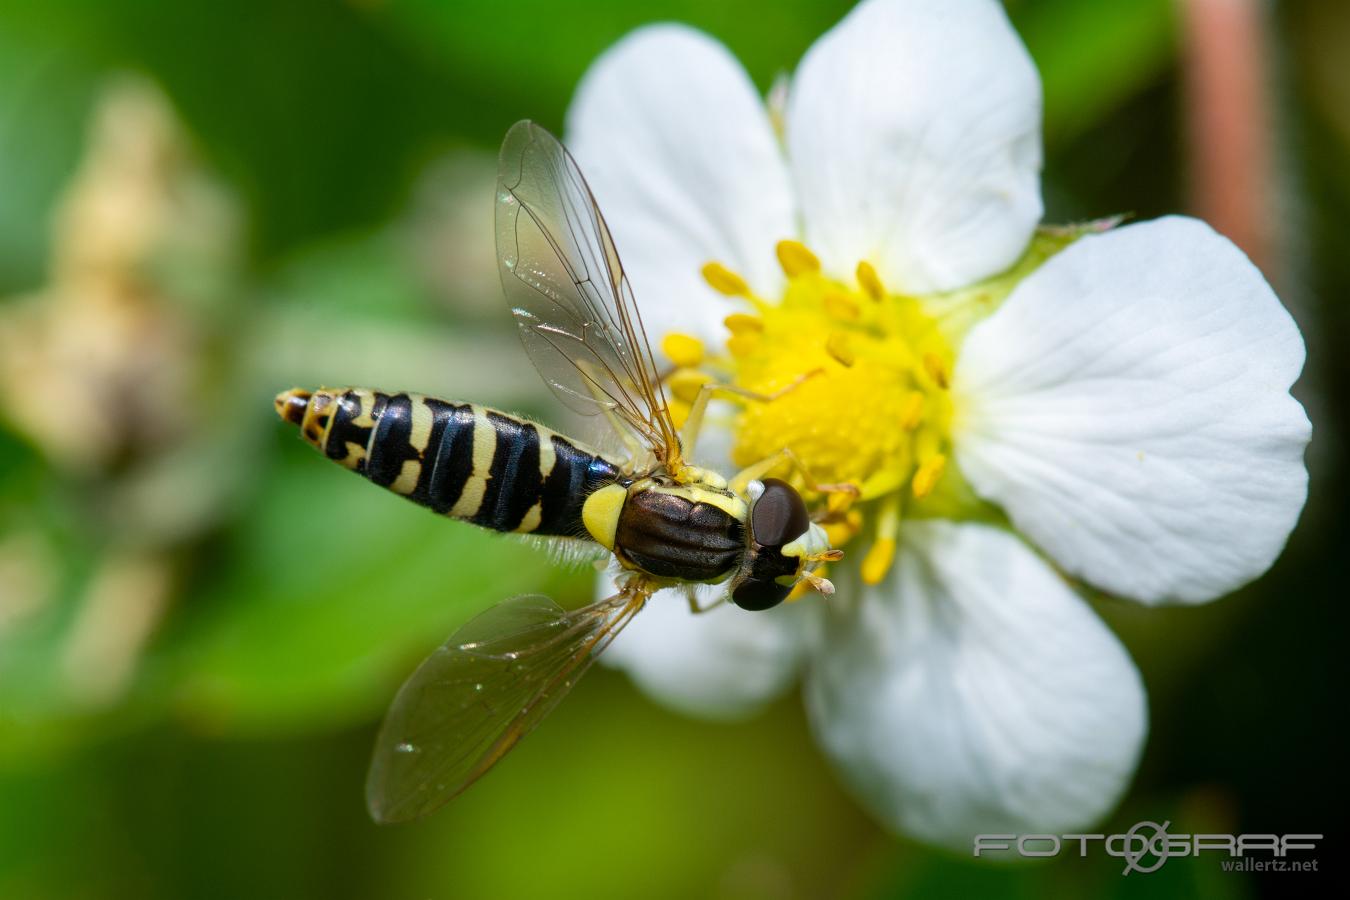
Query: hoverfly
666	522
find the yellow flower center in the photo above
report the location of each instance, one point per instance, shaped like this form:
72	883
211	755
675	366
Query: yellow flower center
851	378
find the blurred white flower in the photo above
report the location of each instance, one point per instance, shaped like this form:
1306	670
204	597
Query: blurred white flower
1119	397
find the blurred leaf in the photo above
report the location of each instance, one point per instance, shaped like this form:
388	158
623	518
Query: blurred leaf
332	136
527	56
683	809
318	118
45	94
351	311
304	609
356	273
1093	56
332	591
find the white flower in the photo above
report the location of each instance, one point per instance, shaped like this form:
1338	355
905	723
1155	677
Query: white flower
1125	404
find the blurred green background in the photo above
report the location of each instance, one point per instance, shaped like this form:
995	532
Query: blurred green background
201	623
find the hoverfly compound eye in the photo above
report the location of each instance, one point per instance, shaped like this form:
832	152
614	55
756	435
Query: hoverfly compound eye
757	594
778	518
779	515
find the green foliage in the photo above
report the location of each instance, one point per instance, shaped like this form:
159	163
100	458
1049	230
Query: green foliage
230	761
1094	56
330	596
45	92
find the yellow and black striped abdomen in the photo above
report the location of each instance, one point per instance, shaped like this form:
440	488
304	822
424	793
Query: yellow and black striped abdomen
458	459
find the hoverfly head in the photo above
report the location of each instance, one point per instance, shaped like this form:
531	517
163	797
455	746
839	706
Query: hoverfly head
783	545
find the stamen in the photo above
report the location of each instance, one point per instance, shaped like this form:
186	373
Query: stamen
870	281
841	306
685	383
841	526
683	350
927	443
912	411
743	344
881	555
936	369
740	323
725	281
927	475
878	561
679	411
838	532
876	416
839	501
837	345
796	259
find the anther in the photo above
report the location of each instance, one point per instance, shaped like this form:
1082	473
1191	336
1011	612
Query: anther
725	281
743	344
911	412
679	411
685	383
870	281
682	349
841	306
927	475
838	532
842	529
878	561
740	323
838	346
937	370
881	554
838	501
796	259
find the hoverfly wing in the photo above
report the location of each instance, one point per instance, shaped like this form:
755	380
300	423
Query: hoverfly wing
568	292
474	698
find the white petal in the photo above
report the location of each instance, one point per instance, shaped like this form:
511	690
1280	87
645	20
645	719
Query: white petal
1129	407
725	663
914	130
677	146
974	693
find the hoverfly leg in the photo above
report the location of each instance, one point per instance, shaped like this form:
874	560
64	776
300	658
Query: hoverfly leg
635	449
847	490
691	595
741	482
693	425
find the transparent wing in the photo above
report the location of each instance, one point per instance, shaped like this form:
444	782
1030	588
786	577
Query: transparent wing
473	699
568	292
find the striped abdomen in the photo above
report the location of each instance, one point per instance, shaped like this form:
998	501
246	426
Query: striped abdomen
459	459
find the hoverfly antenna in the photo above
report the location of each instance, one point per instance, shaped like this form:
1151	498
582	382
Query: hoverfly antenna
822	586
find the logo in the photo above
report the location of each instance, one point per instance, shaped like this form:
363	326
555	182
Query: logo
1148	845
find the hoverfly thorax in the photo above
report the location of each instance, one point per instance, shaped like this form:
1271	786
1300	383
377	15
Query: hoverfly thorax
669	530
